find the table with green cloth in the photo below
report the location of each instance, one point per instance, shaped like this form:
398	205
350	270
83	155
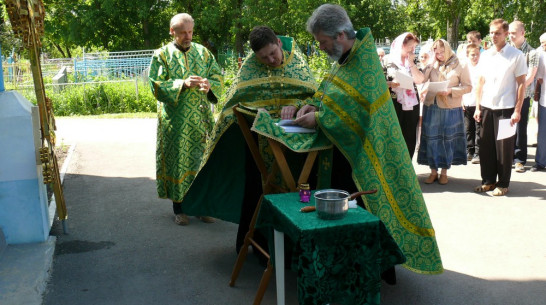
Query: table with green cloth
337	261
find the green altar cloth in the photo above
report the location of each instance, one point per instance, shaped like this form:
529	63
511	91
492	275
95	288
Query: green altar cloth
265	125
338	261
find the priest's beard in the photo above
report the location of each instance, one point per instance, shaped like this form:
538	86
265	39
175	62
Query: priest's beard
336	52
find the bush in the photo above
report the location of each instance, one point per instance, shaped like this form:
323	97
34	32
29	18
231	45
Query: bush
93	99
320	65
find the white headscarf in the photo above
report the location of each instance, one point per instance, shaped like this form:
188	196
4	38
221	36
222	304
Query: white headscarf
427	49
406	97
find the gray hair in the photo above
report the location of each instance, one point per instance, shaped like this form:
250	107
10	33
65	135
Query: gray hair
542	37
181	18
331	20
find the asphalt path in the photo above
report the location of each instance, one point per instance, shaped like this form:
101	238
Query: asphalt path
123	247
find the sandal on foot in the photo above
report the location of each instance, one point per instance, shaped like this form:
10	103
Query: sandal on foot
206	219
443	179
181	219
500	191
484	188
431	178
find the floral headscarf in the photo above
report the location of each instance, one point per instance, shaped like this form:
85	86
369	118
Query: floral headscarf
444	67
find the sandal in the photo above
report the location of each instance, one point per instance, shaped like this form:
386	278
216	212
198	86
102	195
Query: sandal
431	178
443	179
500	191
484	188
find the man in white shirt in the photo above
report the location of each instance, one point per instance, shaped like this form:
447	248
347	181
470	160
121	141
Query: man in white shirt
499	95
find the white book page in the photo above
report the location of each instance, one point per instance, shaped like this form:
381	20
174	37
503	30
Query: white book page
505	129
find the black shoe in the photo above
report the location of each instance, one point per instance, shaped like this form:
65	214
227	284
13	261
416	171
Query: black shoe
536	168
389	276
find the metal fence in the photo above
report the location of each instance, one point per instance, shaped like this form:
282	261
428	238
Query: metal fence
111	65
88	69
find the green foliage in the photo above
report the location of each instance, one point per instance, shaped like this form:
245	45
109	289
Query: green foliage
114	25
320	65
8	42
230	69
120	25
95	99
431	18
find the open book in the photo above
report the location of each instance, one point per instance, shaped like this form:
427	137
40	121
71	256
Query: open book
289	126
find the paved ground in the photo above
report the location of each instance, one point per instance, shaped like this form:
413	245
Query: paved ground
123	247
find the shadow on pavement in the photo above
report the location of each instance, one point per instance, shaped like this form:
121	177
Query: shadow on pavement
124	248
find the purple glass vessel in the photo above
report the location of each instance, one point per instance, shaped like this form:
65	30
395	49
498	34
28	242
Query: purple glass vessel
305	192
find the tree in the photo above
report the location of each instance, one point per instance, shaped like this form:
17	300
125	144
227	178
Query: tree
530	12
118	25
443	16
454	18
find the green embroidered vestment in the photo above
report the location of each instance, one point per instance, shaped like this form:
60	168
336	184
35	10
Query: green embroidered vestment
357	115
218	188
184	115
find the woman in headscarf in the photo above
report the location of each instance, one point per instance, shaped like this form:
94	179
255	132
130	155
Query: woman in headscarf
443	135
406	101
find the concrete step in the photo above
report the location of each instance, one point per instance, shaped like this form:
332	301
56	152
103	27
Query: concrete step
24	272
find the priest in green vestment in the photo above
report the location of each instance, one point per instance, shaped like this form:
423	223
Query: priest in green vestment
356	114
185	79
274	77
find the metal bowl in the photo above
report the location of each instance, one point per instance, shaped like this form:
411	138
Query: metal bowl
331	203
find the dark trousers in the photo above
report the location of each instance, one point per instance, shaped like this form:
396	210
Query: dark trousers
408	123
520	148
472	129
496	156
177	208
540	157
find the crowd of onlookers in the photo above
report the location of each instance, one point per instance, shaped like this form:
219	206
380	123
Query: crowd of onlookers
462	103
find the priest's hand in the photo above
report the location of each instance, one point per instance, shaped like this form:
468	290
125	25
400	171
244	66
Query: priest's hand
193	81
204	86
305	109
288	112
307	120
